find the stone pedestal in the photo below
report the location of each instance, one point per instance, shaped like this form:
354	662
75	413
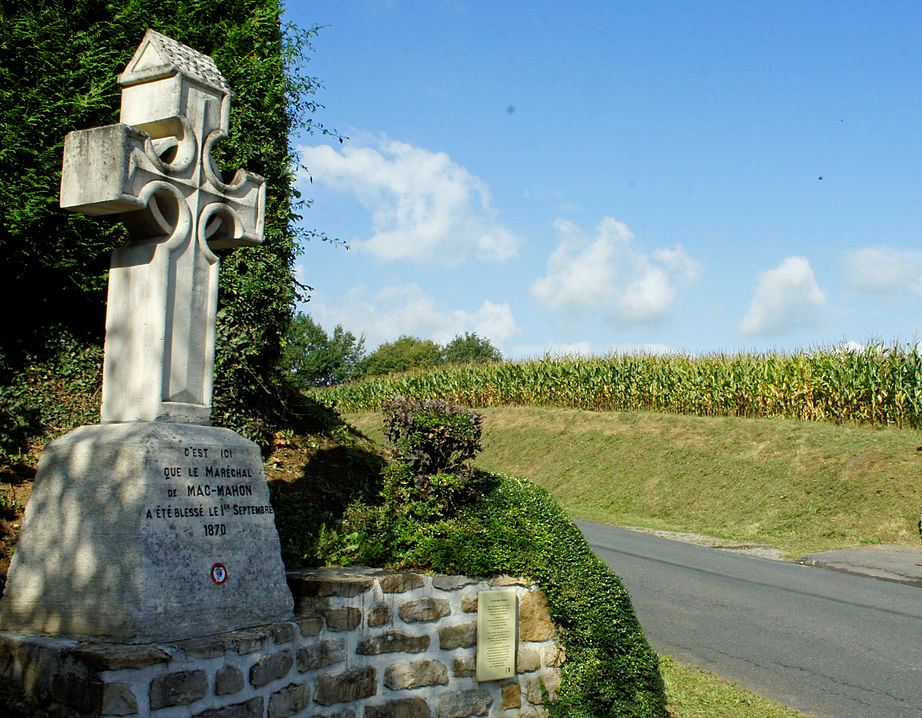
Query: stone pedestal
363	643
147	531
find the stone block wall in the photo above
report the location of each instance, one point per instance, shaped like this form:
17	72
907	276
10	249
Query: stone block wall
363	643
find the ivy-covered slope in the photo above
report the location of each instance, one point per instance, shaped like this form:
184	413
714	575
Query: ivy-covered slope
517	528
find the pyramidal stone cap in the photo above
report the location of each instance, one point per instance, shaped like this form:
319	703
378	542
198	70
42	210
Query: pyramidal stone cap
159	56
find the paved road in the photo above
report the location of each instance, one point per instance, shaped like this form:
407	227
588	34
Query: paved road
824	642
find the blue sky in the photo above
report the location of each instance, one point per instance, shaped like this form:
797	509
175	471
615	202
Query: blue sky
605	176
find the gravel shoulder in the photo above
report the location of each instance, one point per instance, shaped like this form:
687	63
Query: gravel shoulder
902	564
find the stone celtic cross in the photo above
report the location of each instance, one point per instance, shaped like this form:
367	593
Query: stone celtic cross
155	170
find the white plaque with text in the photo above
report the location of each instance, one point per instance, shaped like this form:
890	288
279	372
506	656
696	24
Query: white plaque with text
497	623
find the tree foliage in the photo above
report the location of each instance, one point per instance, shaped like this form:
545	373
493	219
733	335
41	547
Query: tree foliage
58	68
470	349
408	353
312	358
401	355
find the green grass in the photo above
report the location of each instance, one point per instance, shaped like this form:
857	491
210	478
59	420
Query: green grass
800	486
691	692
696	693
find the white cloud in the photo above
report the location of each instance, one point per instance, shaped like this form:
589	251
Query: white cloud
880	270
609	274
407	309
424	207
678	261
785	297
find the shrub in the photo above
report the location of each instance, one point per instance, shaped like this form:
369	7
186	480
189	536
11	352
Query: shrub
59	63
431	436
55	390
482	524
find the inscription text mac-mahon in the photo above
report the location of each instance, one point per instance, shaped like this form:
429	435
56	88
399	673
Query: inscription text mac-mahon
219	490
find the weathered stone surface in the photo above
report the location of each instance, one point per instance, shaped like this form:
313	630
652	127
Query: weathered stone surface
535	617
178	689
452	583
114	169
252	708
310	625
511	696
551	683
402	708
271	668
245	642
424	609
553	656
227	680
400	582
114	657
351	685
95	586
118	700
205	647
508	581
345	713
319	654
392	642
463	704
345	618
289	700
284	632
461	636
310	606
469	604
310	585
527	658
464	666
379	615
415	674
34	665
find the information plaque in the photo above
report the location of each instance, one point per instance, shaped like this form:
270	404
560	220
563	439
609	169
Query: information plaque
497	623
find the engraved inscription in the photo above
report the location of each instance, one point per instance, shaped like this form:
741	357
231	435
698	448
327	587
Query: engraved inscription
203	485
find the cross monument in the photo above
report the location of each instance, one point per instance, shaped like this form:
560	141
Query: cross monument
154	525
155	169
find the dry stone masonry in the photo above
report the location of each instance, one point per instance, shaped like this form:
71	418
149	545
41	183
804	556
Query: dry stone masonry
405	649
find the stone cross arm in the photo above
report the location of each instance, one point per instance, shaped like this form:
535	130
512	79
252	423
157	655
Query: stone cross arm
118	169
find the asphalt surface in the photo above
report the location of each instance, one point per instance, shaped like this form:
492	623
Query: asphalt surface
829	643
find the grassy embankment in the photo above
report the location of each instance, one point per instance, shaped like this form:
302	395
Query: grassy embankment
691	692
695	693
800	486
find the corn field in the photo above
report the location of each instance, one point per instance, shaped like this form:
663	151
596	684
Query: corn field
878	385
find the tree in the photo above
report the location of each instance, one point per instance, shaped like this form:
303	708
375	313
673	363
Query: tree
313	358
401	355
470	349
